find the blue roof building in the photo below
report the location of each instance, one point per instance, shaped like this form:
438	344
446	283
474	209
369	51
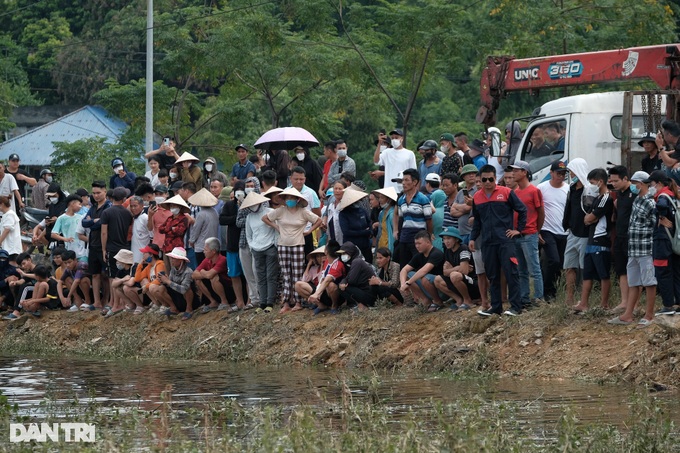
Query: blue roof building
35	147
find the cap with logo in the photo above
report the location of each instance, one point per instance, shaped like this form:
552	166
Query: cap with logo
399	178
13	156
447	137
648	137
399	132
519	165
558	165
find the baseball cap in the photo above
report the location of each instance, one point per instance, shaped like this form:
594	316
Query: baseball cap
82	192
241	145
657	176
399	132
640	176
648	137
558	165
447	136
519	164
400	177
433	177
162	188
115	162
176	186
13	156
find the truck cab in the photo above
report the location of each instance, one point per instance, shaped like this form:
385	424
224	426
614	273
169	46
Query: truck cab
587	126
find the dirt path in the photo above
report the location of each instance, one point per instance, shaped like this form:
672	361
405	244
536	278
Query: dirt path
548	342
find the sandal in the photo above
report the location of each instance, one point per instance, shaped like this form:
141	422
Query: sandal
113	313
643	323
186	316
138	311
268	309
233	309
250	306
434	307
207	309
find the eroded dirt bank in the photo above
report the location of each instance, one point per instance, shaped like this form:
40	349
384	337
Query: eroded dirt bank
548	342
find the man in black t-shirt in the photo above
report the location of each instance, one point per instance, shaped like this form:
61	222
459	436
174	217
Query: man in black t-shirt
419	274
459	279
115	225
623	206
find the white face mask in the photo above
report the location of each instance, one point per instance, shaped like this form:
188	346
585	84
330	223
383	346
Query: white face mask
48	179
249	189
54	200
444	149
342	153
159	199
344	257
300	156
255	208
396	142
173	175
652	190
384	205
208	167
117	169
174	211
239	195
120	266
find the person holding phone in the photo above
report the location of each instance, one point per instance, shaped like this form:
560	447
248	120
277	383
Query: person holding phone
166	153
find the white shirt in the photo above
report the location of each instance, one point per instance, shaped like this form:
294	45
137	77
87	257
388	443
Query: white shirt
141	236
7	187
12	242
554	201
313	202
152	178
396	161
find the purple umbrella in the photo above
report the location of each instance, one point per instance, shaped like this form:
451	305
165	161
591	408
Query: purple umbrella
286	138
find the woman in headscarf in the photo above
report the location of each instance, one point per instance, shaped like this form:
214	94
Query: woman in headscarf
313	172
290	220
387	198
438	200
355	222
244	252
211	173
355	287
331	218
189	171
175	226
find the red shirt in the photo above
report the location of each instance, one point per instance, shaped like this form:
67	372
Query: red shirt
533	200
174	229
220	266
326	170
336	269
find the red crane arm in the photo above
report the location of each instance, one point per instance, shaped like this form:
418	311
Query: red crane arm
503	74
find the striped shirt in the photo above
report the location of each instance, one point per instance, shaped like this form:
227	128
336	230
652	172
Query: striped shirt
449	220
414	214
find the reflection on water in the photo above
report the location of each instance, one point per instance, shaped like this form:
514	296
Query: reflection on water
129	384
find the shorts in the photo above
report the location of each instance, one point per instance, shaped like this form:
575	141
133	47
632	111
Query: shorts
324	298
234	268
575	252
51	304
641	271
178	298
472	287
430	278
597	265
95	261
620	256
111	268
479	262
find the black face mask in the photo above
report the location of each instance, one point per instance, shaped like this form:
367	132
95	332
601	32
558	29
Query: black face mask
429	155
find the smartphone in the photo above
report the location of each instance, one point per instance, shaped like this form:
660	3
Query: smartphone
166	141
465	193
152	204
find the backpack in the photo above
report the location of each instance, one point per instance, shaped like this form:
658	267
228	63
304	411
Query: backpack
675	239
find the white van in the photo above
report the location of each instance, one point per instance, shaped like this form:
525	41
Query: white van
591	126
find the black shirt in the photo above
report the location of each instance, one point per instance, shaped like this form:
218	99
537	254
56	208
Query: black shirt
624	207
118	220
649	164
20	183
573	213
436	257
603	208
460	255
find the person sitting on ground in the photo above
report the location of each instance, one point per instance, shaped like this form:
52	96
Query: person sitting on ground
325	295
355	222
354	288
45	294
175	291
314	270
119	301
146	276
458	279
74	285
21	289
385	285
422	270
211	279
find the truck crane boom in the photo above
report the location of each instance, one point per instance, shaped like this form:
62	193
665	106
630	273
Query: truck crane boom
504	74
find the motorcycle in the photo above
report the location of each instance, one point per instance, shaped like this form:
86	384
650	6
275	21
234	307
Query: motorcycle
32	217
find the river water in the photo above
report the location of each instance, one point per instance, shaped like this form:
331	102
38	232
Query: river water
127	384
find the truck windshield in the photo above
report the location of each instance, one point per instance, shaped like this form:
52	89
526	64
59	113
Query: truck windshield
546	143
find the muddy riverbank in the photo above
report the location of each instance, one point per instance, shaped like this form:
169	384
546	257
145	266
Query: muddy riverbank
548	342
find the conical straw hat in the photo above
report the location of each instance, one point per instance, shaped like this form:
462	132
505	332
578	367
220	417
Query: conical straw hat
294	192
389	192
349	197
187	157
253	199
203	198
176	200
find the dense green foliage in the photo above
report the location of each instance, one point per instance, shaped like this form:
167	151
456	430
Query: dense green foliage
227	71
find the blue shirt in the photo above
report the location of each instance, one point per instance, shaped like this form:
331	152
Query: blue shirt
239	171
425	170
415	216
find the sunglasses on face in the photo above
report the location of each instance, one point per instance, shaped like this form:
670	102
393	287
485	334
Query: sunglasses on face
488	179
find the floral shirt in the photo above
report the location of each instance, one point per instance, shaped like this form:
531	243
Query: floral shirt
174	229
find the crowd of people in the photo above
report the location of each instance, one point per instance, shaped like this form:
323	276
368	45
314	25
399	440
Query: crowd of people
454	228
